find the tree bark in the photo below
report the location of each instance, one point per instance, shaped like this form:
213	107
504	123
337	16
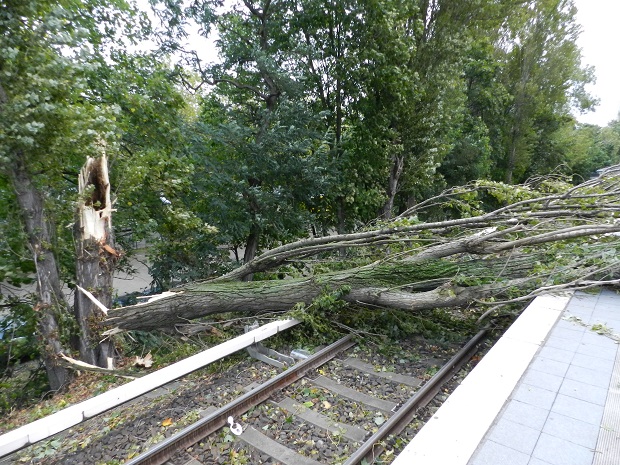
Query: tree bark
96	259
51	302
398	163
251	245
412	286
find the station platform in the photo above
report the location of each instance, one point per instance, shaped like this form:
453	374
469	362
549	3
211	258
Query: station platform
547	393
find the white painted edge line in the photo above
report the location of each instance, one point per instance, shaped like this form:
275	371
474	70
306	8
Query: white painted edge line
71	416
452	435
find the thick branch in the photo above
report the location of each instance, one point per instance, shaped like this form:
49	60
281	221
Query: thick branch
371	284
594	201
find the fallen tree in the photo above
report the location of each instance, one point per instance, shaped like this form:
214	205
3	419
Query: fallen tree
543	235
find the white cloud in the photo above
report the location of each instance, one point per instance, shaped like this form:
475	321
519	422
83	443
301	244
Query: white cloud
599	43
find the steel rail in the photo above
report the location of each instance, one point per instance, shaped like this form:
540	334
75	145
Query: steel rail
372	448
190	435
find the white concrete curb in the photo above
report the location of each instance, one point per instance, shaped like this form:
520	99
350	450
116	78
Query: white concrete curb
71	416
452	435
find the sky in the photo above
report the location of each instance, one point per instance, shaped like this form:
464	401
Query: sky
599	41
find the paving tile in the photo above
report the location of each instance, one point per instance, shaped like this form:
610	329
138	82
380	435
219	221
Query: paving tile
605	293
560	343
606	302
571	334
580	315
580	304
608	353
583	319
492	453
578	307
572	323
612	328
593	362
572	430
609	321
612	323
543	380
513	435
578	409
535	461
583	391
607	307
558	451
552	367
533	395
592	377
590	337
589	295
526	414
608	299
559	355
582	301
611	312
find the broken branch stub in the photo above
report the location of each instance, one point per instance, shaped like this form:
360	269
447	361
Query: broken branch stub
96	260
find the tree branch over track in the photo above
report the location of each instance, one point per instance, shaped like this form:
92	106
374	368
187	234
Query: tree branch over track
578	203
543	235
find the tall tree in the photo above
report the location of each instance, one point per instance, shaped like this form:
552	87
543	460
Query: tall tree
387	74
543	74
267	141
478	136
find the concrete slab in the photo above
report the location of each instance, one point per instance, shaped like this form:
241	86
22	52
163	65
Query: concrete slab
575	368
279	452
594	362
493	454
533	395
588	376
526	414
578	409
552	367
515	436
560	355
570	429
396	377
583	391
543	380
568	333
565	344
558	451
352	432
385	406
608	444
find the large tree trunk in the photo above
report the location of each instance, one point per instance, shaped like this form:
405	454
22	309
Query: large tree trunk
96	259
412	286
51	302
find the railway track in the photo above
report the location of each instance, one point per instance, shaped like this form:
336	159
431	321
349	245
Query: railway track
288	419
344	405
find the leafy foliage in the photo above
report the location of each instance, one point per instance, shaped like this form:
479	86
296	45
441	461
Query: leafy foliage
317	117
